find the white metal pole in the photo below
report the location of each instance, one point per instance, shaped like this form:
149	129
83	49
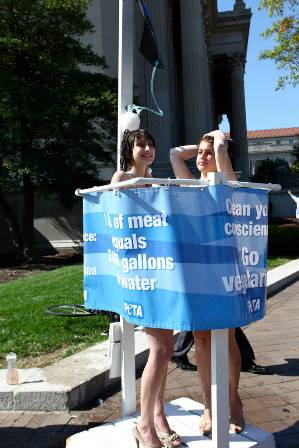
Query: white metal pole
125	63
219	388
219	372
125	97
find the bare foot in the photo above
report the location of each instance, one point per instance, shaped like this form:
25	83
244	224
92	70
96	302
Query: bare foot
205	424
236	419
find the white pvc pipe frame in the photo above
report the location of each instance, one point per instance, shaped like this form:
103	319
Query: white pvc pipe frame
189	182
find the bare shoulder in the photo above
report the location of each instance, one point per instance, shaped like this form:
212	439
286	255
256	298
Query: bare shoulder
120	176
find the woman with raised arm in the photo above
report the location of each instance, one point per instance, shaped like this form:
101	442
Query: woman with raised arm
212	156
152	430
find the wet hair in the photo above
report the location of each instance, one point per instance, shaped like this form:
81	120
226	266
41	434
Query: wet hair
208	139
127	144
231	146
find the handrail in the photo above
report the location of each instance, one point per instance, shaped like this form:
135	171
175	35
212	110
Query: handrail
161	181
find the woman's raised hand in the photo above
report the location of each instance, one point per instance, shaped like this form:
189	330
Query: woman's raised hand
220	139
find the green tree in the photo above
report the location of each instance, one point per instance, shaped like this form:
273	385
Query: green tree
295	166
285	32
57	111
275	171
266	171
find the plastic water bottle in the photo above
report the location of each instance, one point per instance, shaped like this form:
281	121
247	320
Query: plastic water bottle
12	371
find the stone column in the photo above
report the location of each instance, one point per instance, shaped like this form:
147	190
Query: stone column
196	89
104	16
238	113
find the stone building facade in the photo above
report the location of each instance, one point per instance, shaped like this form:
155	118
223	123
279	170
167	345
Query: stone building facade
204	55
272	144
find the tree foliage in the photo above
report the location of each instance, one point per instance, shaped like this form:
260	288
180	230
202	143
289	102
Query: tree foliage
285	32
275	171
57	111
295	166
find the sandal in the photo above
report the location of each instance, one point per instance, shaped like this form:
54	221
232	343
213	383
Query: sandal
171	438
141	443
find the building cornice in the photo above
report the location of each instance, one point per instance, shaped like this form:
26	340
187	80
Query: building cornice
231	30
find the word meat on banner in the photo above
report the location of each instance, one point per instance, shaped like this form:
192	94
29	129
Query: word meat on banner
177	258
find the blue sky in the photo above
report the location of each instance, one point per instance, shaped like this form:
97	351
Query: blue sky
266	108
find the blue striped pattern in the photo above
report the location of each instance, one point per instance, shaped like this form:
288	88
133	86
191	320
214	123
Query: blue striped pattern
185	268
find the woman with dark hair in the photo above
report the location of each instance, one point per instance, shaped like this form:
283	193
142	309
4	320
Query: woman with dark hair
137	153
152	430
212	156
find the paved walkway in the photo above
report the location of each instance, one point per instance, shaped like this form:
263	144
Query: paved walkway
271	402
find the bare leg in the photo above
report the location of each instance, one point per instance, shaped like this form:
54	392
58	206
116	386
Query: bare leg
202	341
203	358
237	421
159	416
161	422
153	384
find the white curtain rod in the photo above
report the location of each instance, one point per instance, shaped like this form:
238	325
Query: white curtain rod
159	181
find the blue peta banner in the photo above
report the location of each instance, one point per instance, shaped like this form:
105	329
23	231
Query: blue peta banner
177	258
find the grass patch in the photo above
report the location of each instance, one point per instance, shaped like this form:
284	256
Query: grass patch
274	262
283	240
27	330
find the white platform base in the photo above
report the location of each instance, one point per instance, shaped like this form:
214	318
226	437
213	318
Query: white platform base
183	417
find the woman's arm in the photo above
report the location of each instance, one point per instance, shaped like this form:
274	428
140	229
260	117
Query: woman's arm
119	176
178	157
295	198
223	162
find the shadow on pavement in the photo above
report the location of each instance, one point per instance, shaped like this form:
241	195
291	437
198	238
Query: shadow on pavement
52	436
290	368
288	437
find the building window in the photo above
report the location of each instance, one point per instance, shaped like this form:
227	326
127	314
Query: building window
278	142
